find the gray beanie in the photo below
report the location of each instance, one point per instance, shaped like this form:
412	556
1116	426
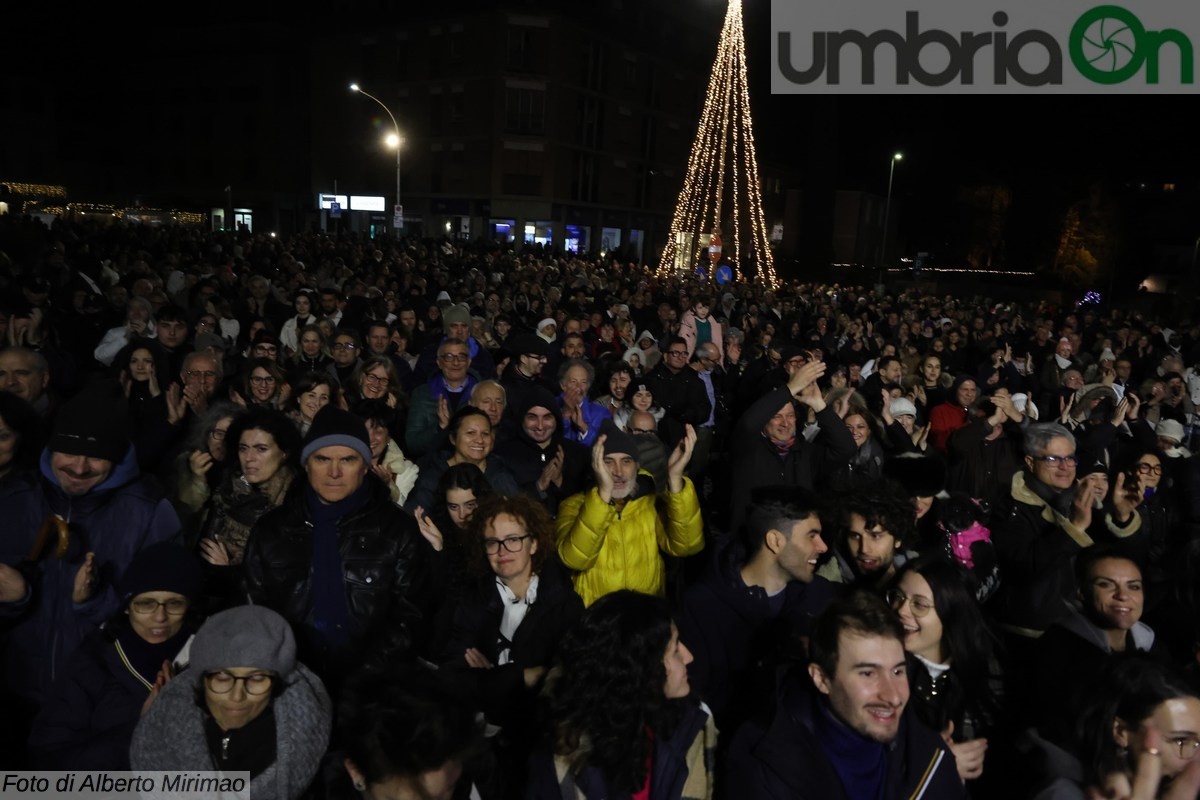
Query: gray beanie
244	636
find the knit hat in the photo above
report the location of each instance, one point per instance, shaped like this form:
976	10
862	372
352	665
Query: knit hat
443	295
333	427
1107	355
456	314
1169	429
94	423
244	636
618	441
545	323
161	567
902	406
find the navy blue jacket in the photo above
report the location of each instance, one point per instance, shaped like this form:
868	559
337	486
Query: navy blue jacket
783	759
115	520
737	643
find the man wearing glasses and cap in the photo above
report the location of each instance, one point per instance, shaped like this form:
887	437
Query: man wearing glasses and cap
1038	531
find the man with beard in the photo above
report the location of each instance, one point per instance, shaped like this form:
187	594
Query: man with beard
871	530
546	465
750	612
844	729
612	536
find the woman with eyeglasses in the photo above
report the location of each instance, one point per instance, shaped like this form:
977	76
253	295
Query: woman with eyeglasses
376	379
87	720
244	704
953	672
202	462
507	620
263	384
1139	727
1161	537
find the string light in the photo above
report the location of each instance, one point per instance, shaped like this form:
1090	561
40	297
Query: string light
724	143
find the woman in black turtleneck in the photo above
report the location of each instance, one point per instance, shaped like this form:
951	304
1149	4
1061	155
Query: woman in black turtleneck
87	720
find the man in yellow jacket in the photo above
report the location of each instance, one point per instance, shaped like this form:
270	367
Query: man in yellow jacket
612	536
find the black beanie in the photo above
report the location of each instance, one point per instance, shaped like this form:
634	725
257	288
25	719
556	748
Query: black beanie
94	423
333	427
161	567
618	441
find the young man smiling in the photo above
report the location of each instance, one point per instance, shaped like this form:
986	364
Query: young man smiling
843	730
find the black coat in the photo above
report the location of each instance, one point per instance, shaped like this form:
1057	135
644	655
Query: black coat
783	757
683	395
383	560
756	462
737	638
475	623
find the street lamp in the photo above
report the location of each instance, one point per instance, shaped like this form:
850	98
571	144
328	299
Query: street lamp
887	209
393	140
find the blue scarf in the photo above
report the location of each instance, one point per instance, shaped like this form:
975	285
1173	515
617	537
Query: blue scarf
861	763
330	616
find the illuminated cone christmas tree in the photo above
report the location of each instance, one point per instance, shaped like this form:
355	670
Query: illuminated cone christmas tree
721	200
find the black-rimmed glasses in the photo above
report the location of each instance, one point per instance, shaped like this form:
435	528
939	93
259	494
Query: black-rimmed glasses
512	544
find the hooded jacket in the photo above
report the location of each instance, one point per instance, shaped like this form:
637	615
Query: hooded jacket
117	518
526	459
610	549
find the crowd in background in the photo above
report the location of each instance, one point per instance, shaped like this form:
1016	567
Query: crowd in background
451	519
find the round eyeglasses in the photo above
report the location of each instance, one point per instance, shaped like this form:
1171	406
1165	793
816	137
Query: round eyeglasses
920	606
222	682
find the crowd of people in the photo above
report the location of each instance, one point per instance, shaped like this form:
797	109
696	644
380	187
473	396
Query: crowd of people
425	518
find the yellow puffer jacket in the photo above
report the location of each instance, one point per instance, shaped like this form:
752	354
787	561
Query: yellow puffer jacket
607	550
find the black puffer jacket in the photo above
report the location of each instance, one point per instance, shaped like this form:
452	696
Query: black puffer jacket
383	556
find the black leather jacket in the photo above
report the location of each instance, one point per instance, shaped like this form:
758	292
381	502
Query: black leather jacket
383	558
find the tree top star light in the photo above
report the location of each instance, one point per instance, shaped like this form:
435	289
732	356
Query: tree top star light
721	196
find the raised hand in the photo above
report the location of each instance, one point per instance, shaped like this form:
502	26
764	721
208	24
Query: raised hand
176	404
85	580
678	462
443	412
806	376
604	481
200	462
429	529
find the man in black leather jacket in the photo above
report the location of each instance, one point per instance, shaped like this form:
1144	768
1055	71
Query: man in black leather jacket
338	559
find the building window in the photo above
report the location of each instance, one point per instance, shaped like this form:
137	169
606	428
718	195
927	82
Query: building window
525	111
518	48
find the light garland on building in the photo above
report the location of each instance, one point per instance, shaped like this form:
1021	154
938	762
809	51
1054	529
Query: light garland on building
724	144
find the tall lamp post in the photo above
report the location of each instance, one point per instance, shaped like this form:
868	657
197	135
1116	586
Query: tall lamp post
887	210
394	141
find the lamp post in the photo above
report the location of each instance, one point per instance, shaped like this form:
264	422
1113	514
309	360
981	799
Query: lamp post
393	140
887	209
